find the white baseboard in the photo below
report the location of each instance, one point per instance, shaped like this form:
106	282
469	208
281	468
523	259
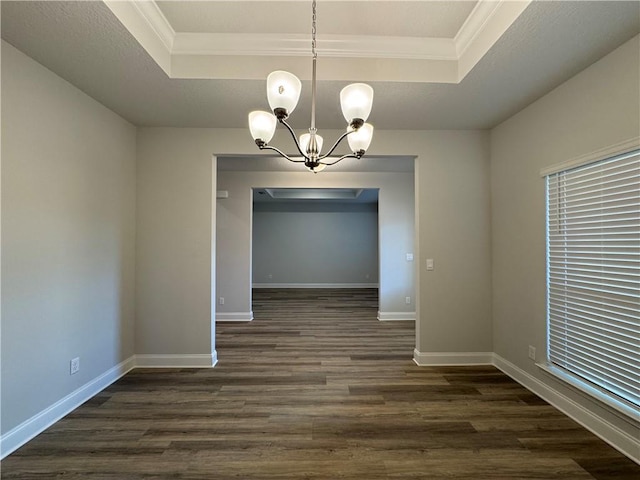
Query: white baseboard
315	285
426	359
194	360
611	434
21	434
618	439
234	316
393	316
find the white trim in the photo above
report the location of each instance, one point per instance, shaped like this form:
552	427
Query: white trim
439	59
21	434
483	28
396	316
234	316
147	30
600	154
618	439
425	359
608	432
603	396
474	24
297	45
213	269
187	360
158	22
315	285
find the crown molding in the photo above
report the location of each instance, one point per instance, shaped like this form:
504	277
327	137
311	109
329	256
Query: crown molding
145	28
474	24
292	45
485	25
444	60
157	21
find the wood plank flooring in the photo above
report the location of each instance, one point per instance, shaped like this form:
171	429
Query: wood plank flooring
317	388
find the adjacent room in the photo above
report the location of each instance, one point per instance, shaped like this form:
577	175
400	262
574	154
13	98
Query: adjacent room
320	239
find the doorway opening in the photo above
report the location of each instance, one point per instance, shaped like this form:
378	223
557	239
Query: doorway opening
282	229
315	238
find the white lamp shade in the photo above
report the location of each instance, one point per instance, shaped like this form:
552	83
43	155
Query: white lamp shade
356	101
283	90
306	138
262	125
360	139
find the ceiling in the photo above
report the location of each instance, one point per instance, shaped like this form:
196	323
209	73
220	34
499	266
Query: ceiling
432	64
411	18
315	195
268	163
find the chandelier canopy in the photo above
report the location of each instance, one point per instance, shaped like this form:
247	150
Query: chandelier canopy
283	93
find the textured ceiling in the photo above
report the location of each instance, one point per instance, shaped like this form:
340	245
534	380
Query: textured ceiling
84	43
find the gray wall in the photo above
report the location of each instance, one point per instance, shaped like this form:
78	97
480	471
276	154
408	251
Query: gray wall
68	229
453	203
298	243
174	241
173	261
597	108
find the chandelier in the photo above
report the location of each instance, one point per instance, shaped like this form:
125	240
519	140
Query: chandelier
283	93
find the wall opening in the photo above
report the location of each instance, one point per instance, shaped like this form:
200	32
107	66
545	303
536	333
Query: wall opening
315	238
249	187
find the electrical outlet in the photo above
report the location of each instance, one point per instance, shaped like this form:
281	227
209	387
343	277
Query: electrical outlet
221	300
532	352
74	366
270	277
407	300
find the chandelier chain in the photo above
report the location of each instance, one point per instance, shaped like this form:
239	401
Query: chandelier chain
313	29
287	86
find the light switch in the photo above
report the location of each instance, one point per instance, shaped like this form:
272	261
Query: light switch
409	257
429	263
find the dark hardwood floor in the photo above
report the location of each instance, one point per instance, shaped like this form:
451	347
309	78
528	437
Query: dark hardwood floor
316	388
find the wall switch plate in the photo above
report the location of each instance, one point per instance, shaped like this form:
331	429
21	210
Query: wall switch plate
74	366
532	352
409	257
429	263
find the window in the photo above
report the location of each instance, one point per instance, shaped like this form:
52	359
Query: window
593	275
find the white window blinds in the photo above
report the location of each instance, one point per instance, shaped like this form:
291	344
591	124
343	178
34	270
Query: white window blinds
593	274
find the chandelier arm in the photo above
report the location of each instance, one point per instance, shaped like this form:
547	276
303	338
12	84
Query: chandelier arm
335	145
280	152
295	139
349	155
311	141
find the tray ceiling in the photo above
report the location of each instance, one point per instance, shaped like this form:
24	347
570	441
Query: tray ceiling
85	43
402	41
